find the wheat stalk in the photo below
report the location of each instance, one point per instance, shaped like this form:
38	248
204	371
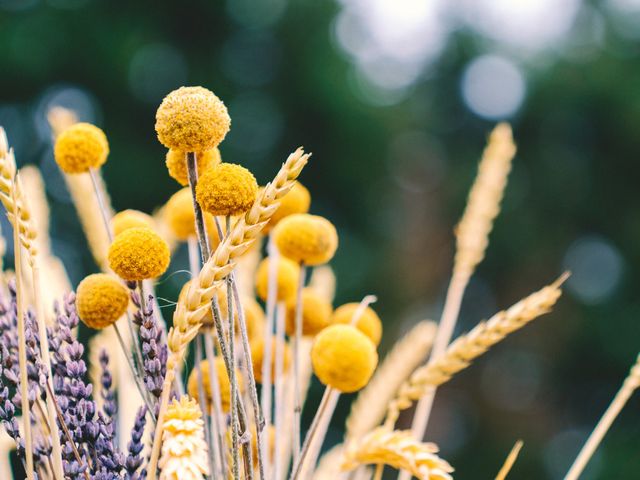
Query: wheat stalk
510	460
189	313
368	410
630	384
397	449
468	347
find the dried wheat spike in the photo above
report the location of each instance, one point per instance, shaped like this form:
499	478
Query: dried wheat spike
483	204
397	449
466	348
371	405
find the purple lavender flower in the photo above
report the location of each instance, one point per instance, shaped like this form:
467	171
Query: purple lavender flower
134	459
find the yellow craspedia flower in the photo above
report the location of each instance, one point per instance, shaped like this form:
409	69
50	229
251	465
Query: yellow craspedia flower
138	253
127	219
177	163
181	218
369	322
316	313
287	279
258	356
223	382
81	147
343	358
227	189
297	200
192	119
305	238
101	300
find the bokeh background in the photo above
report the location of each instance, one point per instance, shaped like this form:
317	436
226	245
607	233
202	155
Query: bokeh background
395	99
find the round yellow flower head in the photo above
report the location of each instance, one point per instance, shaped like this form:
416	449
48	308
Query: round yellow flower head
80	147
316	313
227	189
127	219
138	253
257	354
181	218
297	200
305	238
192	119
223	382
343	358
101	300
369	322
287	280
177	164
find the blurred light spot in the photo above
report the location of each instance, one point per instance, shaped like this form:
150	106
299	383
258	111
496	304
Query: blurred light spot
257	123
563	448
532	24
625	16
67	96
596	268
12	120
251	60
155	70
587	36
256	13
416	161
511	380
626	6
493	87
55	184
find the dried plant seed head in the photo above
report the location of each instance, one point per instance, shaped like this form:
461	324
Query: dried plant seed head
257	354
80	147
297	200
316	313
368	323
223	382
227	189
343	358
181	218
138	253
101	300
305	238
127	219
192	119
287	278
177	163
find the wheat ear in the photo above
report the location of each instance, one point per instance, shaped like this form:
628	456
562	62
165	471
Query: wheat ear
468	347
25	235
472	238
368	410
188	315
630	384
510	460
399	450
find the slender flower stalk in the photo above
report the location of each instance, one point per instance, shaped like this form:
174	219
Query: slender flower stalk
297	407
510	460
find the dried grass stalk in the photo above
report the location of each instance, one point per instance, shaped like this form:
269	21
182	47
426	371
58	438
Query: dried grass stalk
370	407
630	385
468	347
399	450
323	281
329	464
510	460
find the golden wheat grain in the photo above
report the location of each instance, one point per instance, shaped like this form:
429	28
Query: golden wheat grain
371	405
466	348
510	460
399	450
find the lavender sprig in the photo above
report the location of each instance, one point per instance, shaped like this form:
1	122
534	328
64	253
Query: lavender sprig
134	459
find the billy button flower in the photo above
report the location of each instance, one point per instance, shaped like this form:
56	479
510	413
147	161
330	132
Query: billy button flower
343	358
223	382
127	219
138	254
81	147
192	119
176	162
258	356
316	313
227	189
288	273
368	323
307	239
181	219
101	300
297	200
